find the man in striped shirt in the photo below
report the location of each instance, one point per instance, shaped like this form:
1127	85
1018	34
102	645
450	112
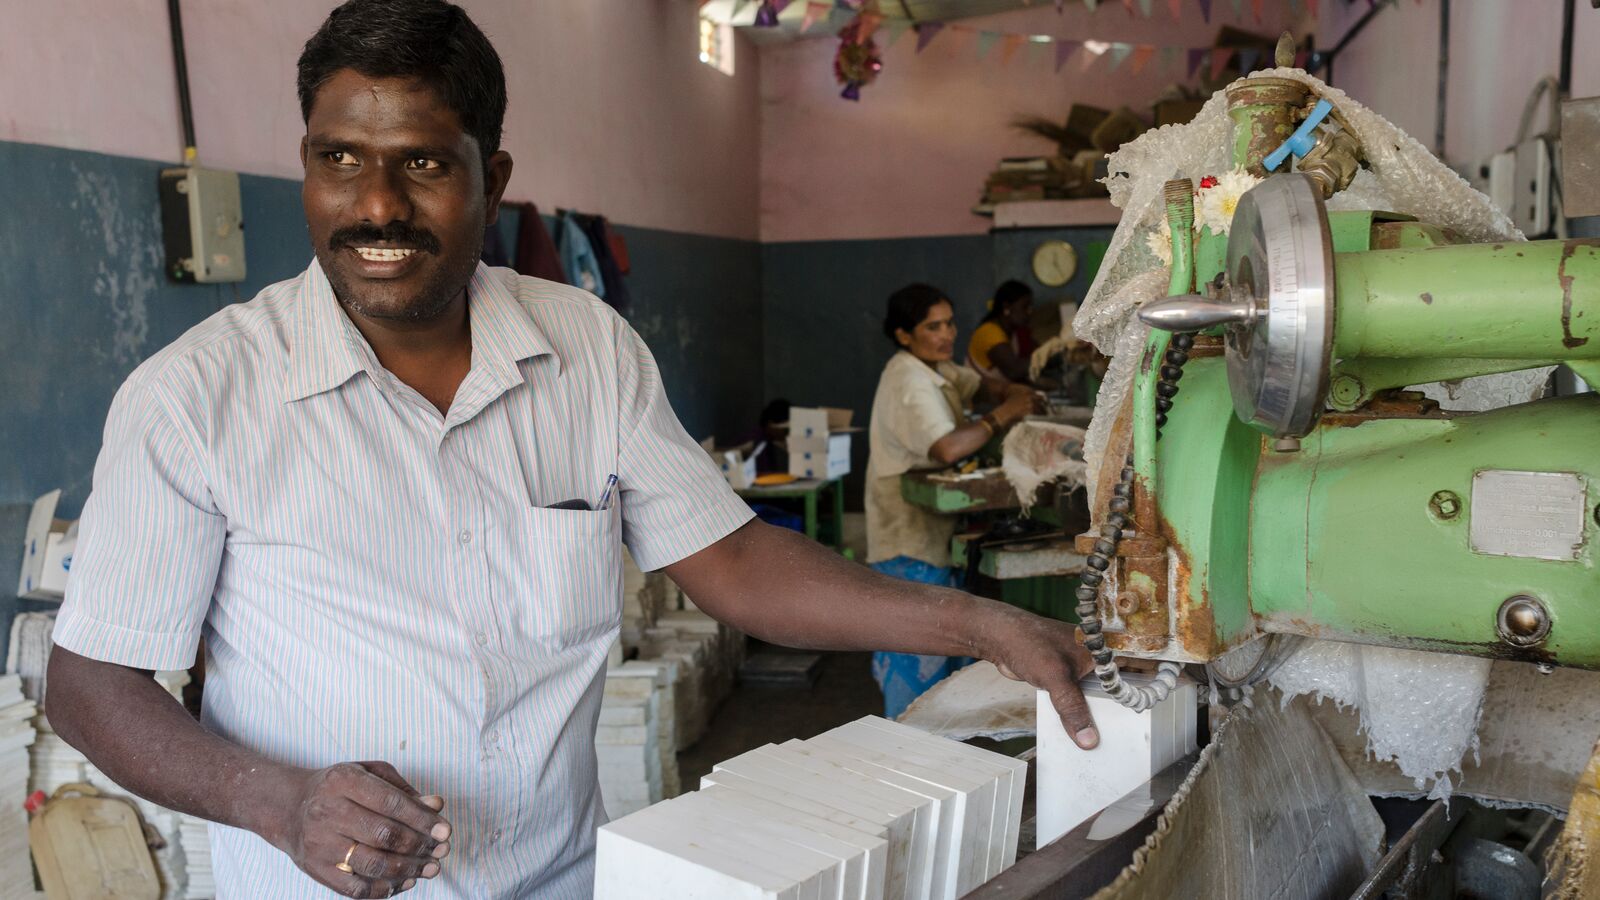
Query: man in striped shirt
382	493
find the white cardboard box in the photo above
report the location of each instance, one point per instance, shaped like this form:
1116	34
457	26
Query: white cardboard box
1075	785
46	551
737	464
819	442
822	458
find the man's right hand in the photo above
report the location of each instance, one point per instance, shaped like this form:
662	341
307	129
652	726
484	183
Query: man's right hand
397	835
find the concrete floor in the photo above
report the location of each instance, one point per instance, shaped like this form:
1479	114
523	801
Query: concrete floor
756	714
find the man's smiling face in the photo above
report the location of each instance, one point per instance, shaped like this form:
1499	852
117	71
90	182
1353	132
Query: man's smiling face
396	195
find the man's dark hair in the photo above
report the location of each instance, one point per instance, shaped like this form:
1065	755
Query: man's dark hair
909	306
430	40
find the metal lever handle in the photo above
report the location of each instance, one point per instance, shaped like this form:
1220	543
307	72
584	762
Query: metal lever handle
1192	312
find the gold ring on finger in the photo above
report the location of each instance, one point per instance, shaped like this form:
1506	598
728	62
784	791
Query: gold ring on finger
344	866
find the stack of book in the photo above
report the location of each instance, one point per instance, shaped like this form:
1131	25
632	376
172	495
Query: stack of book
869	810
1032	178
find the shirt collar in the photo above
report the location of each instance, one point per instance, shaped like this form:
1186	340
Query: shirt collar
935	373
326	350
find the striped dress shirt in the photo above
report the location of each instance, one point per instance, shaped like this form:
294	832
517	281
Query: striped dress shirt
377	581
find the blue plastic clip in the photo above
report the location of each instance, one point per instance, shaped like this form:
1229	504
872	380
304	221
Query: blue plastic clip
1303	139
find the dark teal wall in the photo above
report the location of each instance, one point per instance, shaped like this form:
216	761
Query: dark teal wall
83	300
823	305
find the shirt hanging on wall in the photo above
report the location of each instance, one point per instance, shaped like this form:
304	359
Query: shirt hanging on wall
599	232
578	257
536	250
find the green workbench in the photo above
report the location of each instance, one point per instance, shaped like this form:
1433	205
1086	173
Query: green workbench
808	490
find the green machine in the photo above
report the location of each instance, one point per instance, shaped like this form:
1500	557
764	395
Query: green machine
1279	480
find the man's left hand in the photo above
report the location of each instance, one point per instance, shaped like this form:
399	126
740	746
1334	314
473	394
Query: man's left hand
1046	654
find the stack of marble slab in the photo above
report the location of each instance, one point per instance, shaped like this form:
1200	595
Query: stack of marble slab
633	754
16	735
645	596
869	810
708	654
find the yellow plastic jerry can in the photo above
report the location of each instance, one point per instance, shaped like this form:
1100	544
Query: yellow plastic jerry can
89	847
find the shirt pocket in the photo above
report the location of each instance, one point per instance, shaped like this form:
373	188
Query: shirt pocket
572	562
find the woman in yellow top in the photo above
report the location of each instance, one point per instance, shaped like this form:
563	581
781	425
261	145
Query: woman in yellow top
1001	345
920	420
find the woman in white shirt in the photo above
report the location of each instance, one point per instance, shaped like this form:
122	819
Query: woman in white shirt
921	420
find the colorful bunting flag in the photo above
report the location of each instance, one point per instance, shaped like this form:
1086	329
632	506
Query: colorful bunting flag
1119	52
926	32
1169	58
1064	51
1129	5
870	23
1238	9
1177	9
893	30
1009	46
1205	10
1091	4
1247	60
1036	49
1144	7
1219	61
1197	55
1141	56
986	42
1312	5
1257	4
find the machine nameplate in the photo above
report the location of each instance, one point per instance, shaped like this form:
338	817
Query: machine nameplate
1531	514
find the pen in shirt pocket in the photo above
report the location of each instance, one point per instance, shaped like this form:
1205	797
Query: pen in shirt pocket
606	495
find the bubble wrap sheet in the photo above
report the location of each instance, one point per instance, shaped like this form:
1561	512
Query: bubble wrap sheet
1390	687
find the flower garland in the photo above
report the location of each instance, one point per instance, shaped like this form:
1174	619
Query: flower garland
1216	200
857	61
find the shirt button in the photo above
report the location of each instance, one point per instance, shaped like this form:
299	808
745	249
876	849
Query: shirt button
464	537
481	638
495	838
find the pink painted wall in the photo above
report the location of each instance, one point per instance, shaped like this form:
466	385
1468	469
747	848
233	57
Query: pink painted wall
610	110
1498	52
910	158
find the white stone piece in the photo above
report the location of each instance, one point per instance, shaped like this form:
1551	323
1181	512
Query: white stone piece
1074	785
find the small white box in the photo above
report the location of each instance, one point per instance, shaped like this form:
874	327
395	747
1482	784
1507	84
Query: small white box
819	442
737	464
47	551
1074	785
823	458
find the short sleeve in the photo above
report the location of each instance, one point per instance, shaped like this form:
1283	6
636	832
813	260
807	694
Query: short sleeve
149	545
923	418
675	501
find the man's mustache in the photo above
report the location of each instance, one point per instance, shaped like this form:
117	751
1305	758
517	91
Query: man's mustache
395	233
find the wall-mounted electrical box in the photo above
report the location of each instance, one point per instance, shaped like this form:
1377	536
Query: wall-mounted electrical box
202	228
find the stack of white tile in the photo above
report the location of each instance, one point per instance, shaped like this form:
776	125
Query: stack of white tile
16	734
627	743
195	842
868	810
708	655
644	598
